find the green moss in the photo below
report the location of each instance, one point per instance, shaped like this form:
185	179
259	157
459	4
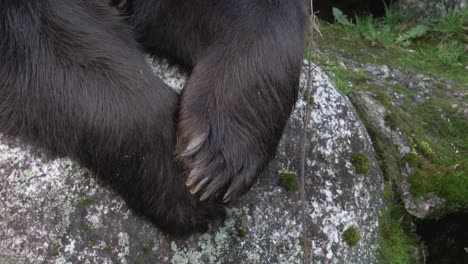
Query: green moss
394	244
454	189
86	202
439	143
345	80
396	233
391	120
351	236
360	162
399	88
436	128
438	175
412	159
242	232
308	242
439	156
146	250
106	248
54	253
418	186
288	180
339	76
387	157
384	99
86	228
311	99
446	53
337	37
90	243
387	192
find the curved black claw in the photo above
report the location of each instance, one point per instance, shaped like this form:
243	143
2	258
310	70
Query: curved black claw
218	168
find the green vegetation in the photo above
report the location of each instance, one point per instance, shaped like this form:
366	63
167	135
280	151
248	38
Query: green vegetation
439	157
340	77
311	99
394	245
54	253
449	182
146	250
435	124
351	236
398	28
391	121
106	248
86	228
445	53
242	232
428	46
396	231
360	162
288	180
450	23
86	202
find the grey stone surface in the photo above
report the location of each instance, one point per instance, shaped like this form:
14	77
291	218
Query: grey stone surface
430	8
53	211
374	114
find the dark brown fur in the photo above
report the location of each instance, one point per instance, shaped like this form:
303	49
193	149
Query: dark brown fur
74	81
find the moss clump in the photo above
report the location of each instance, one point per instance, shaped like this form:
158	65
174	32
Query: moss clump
86	202
146	250
360	162
422	182
311	99
394	243
396	235
54	253
288	180
242	232
307	242
391	121
86	228
90	243
106	248
412	159
351	236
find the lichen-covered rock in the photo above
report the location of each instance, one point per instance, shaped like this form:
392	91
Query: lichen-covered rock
396	147
53	211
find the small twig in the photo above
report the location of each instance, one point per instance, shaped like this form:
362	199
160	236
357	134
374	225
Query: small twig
303	147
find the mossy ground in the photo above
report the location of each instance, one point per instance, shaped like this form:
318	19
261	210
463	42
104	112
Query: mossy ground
86	202
360	162
397	232
146	250
288	180
439	51
437	127
351	236
54	253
